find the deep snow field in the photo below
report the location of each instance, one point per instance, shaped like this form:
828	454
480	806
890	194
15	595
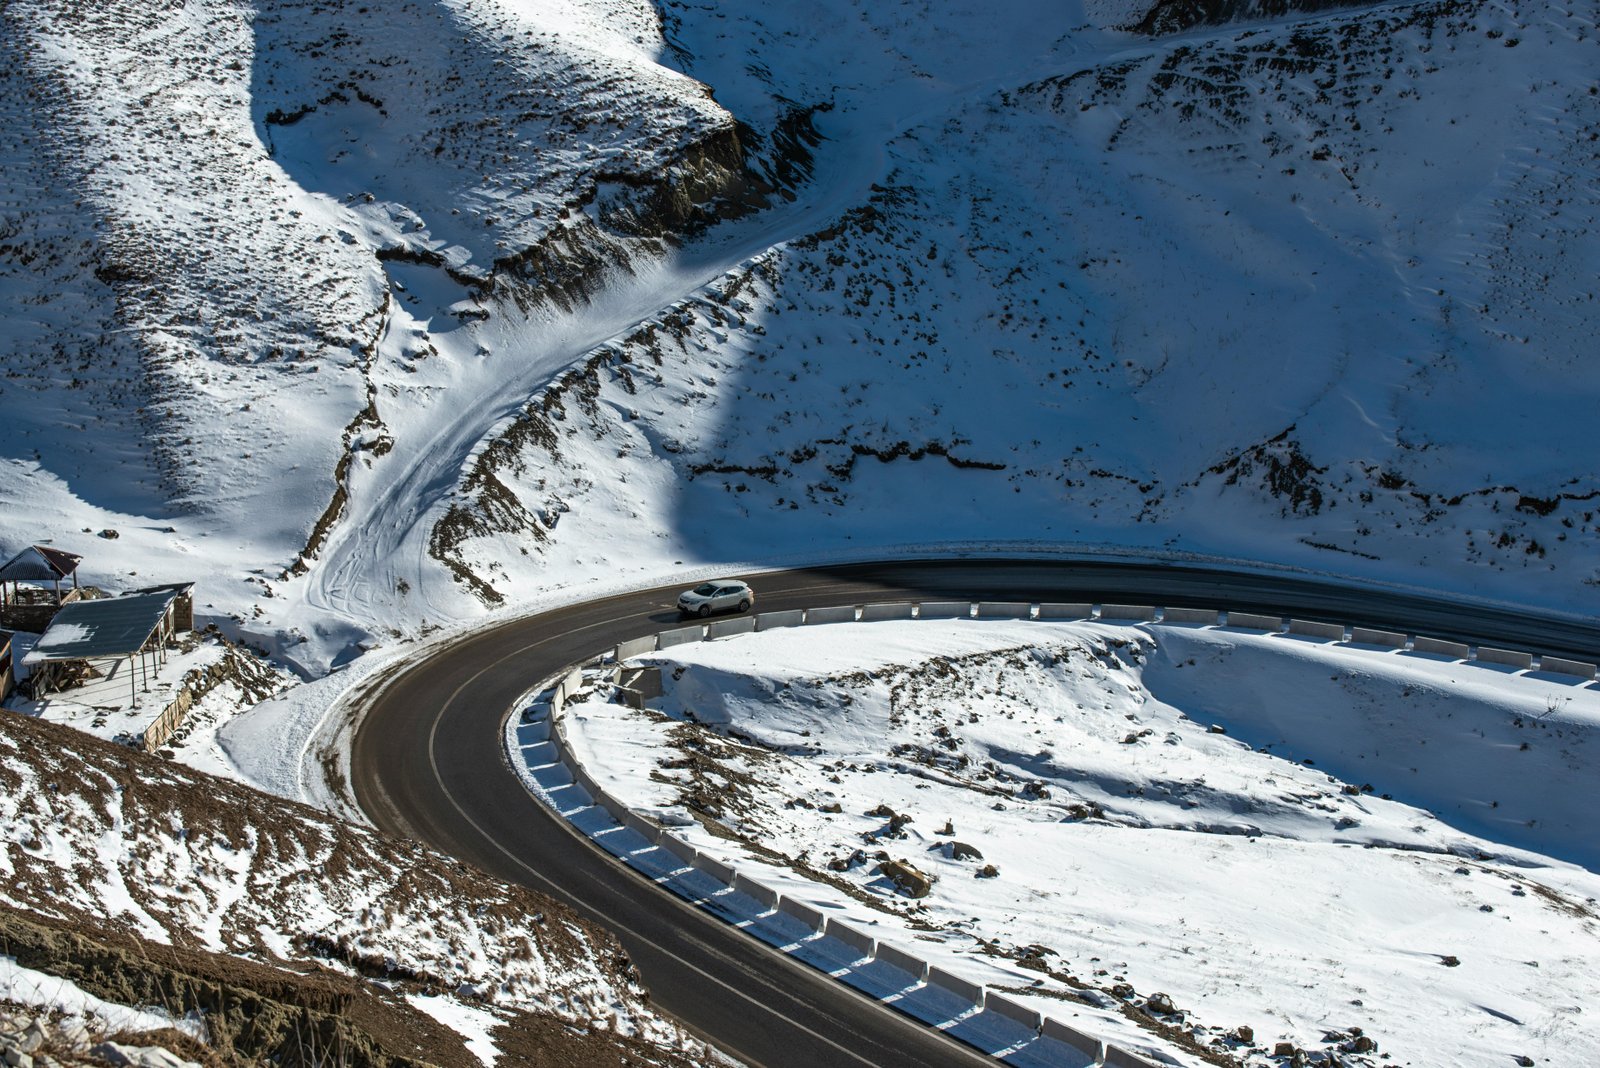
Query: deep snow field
1300	838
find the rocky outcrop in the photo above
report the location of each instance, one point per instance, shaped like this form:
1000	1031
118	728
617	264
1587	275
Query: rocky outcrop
910	881
1175	16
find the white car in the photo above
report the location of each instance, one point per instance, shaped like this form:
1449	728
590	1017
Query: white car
718	595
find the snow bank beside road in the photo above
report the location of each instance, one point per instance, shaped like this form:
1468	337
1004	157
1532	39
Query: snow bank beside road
1448	922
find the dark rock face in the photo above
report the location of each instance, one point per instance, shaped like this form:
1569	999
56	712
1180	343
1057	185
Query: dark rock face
1175	16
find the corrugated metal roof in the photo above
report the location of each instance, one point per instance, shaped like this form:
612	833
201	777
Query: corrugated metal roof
39	563
111	626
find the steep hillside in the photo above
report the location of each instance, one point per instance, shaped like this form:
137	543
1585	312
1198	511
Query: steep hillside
218	219
375	321
285	932
1315	292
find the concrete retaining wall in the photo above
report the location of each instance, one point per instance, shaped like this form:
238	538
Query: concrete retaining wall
811	917
1333	632
635	822
1117	1057
637	647
1012	1010
1251	621
775	620
722	628
678	847
899	958
1557	666
894	610
1067	610
944	610
863	943
1142	613
1439	647
1005	609
1488	654
965	989
722	873
682	636
759	891
846	614
1393	639
1206	616
1069	1036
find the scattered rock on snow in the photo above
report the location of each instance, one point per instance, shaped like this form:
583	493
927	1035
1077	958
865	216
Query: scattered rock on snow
906	878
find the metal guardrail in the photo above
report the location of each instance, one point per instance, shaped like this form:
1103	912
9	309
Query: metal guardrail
920	971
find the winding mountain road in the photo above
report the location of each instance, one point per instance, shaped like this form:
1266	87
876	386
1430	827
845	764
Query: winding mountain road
428	764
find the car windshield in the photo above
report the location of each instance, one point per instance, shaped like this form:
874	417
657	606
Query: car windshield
706	590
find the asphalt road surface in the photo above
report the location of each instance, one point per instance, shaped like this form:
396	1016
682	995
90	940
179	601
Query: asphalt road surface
428	764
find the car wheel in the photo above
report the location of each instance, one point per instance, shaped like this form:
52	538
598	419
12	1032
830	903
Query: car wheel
744	606
705	610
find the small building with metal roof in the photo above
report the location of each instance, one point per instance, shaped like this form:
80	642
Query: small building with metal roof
31	587
97	638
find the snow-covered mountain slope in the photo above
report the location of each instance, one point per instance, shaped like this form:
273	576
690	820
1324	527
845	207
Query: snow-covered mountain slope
151	885
1228	840
398	339
217	218
1315	292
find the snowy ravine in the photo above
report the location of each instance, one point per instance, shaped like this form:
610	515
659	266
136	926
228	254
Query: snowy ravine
266	922
1320	844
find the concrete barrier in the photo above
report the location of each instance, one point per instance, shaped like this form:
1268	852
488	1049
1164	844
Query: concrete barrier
1073	1038
1439	647
1205	616
1251	621
636	647
842	614
1558	666
581	776
807	915
678	848
1137	612
722	873
723	628
863	943
1013	1010
965	989
759	891
775	620
887	610
1117	1057
1367	636
899	958
944	610
574	681
1067	610
1005	609
1488	654
682	636
1333	632
635	822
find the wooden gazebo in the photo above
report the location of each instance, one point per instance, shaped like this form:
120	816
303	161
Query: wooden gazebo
36	565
